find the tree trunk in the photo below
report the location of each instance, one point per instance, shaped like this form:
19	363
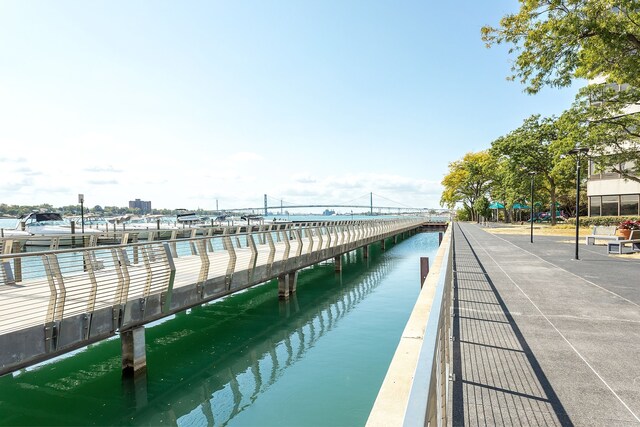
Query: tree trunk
552	193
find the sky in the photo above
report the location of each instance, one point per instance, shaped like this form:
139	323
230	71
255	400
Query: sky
205	104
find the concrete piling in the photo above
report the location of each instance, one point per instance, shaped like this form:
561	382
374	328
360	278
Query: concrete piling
134	354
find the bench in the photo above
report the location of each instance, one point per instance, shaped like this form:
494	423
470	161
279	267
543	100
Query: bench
617	246
602	232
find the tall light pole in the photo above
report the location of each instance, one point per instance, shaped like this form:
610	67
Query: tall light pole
577	152
81	201
532	174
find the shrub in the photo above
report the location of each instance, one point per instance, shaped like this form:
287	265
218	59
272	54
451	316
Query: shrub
590	221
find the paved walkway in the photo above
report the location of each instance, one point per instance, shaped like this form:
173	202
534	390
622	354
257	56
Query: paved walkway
540	338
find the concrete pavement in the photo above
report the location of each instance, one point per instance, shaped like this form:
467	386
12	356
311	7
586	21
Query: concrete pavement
541	338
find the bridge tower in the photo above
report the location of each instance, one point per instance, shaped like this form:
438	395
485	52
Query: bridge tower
265	205
371	203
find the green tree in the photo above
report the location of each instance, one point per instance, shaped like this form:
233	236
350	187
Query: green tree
481	206
610	124
557	41
508	187
539	145
468	179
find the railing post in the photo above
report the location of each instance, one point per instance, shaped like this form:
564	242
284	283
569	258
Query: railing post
228	246
167	297
272	252
298	235
287	246
254	257
424	269
204	264
309	233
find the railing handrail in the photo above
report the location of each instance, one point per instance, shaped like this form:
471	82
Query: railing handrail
223	228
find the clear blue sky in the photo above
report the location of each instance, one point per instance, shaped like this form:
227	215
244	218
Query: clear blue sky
185	103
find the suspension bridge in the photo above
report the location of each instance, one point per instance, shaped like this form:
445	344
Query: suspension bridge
280	205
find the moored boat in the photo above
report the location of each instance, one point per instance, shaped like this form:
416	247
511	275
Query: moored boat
43	227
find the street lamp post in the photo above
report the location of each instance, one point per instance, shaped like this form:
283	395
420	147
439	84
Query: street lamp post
577	152
81	201
532	174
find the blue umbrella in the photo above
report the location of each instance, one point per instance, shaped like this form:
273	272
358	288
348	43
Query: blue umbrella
496	205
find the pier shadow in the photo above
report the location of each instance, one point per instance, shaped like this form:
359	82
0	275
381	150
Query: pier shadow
498	380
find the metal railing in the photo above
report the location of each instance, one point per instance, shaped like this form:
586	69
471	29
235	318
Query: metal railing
55	301
415	389
427	403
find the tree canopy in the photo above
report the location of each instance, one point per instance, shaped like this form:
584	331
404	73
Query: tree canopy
468	180
557	41
610	120
539	145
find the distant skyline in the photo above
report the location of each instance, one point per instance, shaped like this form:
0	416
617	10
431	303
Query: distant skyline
186	103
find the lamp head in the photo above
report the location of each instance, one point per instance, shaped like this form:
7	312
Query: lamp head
579	150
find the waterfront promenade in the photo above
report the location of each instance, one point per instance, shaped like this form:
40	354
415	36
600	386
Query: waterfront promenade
540	338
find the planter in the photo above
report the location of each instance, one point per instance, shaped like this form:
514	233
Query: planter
625	233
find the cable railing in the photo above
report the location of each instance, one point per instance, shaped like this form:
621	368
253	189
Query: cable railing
53	301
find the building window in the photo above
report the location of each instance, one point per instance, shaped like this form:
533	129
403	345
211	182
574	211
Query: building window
593	171
609	173
629	204
594	206
609	206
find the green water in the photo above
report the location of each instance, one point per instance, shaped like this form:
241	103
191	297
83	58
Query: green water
247	360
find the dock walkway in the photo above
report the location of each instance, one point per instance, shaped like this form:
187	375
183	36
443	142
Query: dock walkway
540	338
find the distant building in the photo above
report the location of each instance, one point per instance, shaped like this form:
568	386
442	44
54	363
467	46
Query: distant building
145	207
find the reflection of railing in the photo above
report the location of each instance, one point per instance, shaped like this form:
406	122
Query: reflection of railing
54	301
416	387
219	398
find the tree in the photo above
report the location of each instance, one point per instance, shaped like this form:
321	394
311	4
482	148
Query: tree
468	180
539	146
557	41
508	187
611	119
481	206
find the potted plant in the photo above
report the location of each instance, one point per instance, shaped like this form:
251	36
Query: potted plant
625	227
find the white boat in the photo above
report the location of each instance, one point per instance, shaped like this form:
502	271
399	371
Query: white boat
142	225
184	216
43	226
10	232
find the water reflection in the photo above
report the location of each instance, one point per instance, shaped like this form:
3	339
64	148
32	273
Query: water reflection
234	383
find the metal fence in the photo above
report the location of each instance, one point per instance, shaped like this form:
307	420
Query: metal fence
427	403
415	390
